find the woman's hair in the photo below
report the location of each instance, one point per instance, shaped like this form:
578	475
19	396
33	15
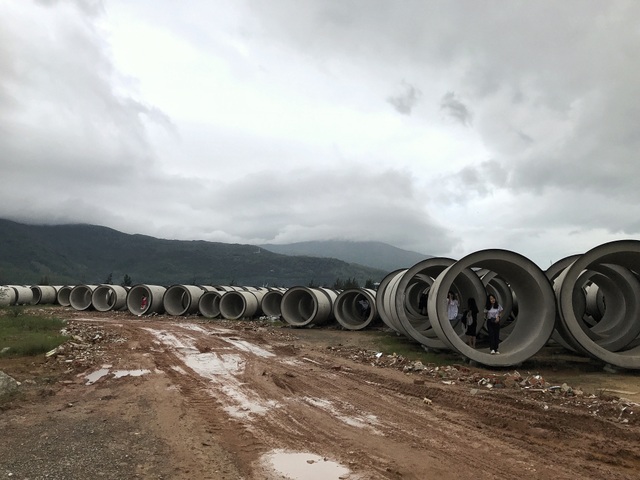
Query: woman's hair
488	304
451	294
471	304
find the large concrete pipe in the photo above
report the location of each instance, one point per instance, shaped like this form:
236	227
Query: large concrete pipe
63	295
350	310
553	273
595	302
8	296
271	302
182	299
624	253
145	299
617	327
303	306
536	306
43	294
109	297
209	303
240	304
385	301
80	296
420	327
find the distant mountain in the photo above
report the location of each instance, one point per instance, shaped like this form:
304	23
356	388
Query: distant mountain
371	254
74	254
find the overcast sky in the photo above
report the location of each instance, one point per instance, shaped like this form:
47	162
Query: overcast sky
443	127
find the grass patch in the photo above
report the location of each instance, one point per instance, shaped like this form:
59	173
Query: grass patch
24	334
391	343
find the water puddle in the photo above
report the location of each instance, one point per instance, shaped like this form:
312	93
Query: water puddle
305	466
130	373
249	347
93	377
221	369
364	421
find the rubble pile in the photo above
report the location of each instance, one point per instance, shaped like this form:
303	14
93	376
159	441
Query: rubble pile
534	385
86	346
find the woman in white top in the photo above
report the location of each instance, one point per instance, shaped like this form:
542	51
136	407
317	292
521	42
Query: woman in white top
492	312
452	306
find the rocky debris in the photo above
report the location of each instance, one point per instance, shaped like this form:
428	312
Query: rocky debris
8	384
86	346
531	384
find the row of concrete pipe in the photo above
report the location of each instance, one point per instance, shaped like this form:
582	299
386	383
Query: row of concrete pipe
298	306
589	303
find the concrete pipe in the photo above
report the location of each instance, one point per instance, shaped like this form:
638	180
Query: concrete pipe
350	311
8	296
145	299
80	296
624	253
63	295
24	295
617	327
271	302
595	302
385	301
43	294
109	297
209	304
303	306
553	273
240	304
182	299
420	328
536	306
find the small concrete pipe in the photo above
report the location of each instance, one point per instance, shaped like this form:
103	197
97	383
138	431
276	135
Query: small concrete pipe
7	295
80	296
595	302
43	294
351	313
209	304
536	306
182	299
271	302
63	295
24	295
153	294
624	253
109	297
240	304
302	306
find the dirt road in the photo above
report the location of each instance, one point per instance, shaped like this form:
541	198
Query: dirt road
175	399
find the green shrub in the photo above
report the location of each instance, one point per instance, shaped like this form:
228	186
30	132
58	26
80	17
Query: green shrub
29	335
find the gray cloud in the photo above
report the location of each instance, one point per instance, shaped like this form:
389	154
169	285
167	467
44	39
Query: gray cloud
552	99
405	101
455	109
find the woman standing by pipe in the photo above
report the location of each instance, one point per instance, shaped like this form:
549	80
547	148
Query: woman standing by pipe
492	312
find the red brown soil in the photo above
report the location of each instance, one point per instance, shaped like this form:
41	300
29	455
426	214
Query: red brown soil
321	391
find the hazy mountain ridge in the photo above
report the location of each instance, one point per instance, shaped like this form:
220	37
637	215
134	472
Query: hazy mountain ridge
372	254
73	254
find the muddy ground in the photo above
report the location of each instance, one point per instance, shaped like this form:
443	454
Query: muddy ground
178	398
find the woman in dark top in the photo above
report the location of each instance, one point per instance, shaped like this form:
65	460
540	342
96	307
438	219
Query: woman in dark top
472	308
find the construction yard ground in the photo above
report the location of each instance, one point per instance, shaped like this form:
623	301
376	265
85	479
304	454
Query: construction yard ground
186	398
